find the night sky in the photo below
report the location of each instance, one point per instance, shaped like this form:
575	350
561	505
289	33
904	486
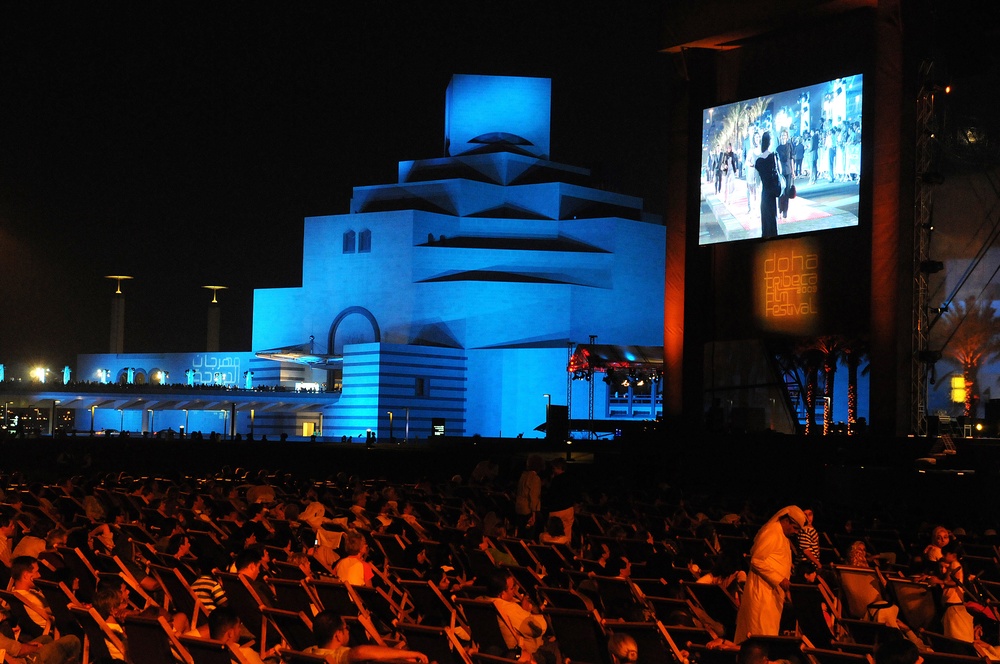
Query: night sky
183	143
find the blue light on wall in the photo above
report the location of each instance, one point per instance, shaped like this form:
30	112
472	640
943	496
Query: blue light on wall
480	109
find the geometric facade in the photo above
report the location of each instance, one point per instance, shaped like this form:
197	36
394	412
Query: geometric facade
457	292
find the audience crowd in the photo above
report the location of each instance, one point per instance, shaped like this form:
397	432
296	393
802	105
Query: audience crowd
525	562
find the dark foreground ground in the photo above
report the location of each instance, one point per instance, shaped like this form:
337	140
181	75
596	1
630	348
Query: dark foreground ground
873	479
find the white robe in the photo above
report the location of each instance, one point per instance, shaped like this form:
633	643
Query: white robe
763	598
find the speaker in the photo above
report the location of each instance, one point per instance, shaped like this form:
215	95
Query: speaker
557	423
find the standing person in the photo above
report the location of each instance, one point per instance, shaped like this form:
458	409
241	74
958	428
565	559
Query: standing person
728	170
768	580
787	170
718	170
809	542
752	178
560	498
528	499
814	139
767	168
798	152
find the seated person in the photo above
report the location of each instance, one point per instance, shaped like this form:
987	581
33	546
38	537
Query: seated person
332	635
224	625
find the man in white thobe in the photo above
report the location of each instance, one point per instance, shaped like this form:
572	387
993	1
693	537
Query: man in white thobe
768	579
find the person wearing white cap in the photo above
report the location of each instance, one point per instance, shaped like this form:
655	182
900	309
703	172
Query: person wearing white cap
768	578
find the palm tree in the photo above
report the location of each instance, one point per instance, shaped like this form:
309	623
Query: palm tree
973	338
855	352
831	348
810	359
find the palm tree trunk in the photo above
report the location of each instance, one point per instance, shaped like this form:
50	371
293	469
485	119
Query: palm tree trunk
812	381
967	376
852	393
829	374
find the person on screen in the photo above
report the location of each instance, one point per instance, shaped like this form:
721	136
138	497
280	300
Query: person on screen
767	168
785	153
752	178
728	171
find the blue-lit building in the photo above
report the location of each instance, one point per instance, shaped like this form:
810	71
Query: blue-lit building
453	296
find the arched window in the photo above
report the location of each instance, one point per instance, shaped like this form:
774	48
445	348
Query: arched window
365	242
349	242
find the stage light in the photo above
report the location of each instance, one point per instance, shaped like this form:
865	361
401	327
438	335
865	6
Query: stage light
947	89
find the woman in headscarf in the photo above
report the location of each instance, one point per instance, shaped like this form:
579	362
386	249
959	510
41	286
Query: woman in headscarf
768	580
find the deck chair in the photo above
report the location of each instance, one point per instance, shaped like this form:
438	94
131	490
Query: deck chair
553	564
941	643
667	609
520	552
392	547
483	619
97	634
438	643
152	641
716	602
59	598
525	577
241	598
620	599
81	568
563	598
335	595
30	630
294	627
209	651
861	592
432	607
580	635
915	601
931	657
807	603
294	595
867	632
825	656
650	637
178	594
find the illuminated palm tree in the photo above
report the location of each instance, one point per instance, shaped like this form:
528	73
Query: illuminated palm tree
973	338
811	360
855	352
831	348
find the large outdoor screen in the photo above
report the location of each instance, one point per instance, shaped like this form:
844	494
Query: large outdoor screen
815	137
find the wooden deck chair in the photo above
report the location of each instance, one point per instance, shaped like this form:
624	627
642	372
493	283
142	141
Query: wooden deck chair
210	651
716	602
553	564
243	599
335	595
438	643
59	597
650	637
519	550
867	632
579	634
825	656
932	657
152	641
393	548
430	604
178	593
621	600
941	643
81	568
97	634
808	602
294	595
527	579
669	610
915	601
294	627
563	598
30	630
861	592
483	619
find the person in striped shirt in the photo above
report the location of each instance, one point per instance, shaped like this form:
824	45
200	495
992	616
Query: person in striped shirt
809	542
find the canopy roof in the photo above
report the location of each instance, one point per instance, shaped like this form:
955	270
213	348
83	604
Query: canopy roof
608	357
